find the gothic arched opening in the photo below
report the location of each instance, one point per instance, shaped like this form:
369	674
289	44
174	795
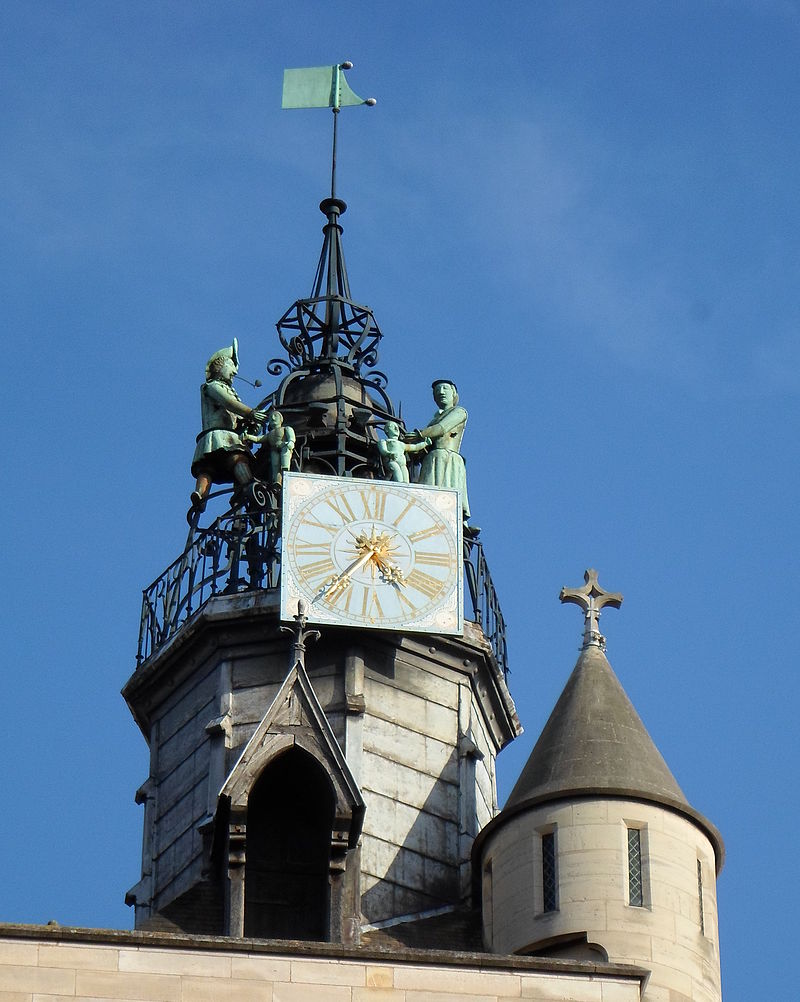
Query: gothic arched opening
290	813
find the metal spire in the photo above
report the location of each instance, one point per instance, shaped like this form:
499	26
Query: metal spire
591	598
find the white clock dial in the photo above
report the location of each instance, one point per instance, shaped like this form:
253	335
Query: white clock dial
372	553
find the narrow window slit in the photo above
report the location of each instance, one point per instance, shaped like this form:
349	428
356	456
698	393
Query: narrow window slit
549	872
700	897
635	887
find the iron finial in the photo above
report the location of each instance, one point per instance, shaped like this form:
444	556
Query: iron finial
591	598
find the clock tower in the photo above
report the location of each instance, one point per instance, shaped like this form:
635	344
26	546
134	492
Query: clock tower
321	675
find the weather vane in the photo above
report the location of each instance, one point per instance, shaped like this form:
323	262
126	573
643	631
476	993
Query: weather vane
322	87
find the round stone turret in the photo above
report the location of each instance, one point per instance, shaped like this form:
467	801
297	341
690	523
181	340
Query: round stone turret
597	853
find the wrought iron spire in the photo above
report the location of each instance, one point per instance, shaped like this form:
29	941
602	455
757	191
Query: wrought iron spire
329	326
591	598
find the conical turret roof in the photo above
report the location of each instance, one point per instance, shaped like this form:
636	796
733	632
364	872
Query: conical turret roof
593	741
595	744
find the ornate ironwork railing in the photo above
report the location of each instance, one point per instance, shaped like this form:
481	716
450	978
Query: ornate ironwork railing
240	552
486	611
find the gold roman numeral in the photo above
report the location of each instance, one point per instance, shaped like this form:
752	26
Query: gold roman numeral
432	559
369	602
319	525
403	513
306	549
317	570
374	504
406	601
425	583
333	600
435	530
342	508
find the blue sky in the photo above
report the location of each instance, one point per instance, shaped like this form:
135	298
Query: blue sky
586	214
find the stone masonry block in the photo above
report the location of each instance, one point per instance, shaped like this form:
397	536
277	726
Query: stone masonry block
415	677
185	704
282	992
329	972
46	980
199	964
185	741
457	980
411	786
16	952
380	976
261	967
117	985
620	991
378	995
184	777
442	996
218	990
411	712
87	958
589	812
412	829
556	988
397	744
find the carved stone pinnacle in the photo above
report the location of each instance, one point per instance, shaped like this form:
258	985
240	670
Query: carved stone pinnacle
301	634
591	598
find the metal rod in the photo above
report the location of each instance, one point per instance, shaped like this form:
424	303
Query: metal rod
333	153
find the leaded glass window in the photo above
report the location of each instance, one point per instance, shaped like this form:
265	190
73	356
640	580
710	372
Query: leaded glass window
635	887
700	896
549	872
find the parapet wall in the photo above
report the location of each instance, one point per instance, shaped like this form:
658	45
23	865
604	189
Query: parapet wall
52	964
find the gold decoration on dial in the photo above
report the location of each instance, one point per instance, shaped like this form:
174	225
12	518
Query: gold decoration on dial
372	553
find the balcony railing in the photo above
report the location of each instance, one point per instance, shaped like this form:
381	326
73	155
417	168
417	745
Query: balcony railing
240	552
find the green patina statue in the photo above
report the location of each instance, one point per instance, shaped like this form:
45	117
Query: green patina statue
393	452
280	441
443	465
221	455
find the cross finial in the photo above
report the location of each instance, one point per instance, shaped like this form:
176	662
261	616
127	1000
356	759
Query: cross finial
591	598
300	634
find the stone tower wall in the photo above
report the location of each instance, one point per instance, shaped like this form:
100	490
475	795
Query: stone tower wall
419	720
664	934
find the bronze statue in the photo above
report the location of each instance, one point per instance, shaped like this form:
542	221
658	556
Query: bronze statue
443	465
221	455
393	452
280	441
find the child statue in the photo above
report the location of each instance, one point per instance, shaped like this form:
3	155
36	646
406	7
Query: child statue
279	441
393	451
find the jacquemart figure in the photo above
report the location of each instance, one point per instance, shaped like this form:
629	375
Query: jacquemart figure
279	441
443	465
393	452
221	455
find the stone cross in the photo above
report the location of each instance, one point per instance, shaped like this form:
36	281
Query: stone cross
591	598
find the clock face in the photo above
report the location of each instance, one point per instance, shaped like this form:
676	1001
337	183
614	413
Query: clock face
371	553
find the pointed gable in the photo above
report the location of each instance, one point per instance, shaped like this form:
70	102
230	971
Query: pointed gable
295	718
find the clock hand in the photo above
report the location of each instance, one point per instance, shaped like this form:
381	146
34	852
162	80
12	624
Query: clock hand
390	572
341	581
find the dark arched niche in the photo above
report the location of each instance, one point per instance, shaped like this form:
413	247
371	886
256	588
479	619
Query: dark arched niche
290	814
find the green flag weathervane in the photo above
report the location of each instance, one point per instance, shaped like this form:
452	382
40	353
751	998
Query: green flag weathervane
322	87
